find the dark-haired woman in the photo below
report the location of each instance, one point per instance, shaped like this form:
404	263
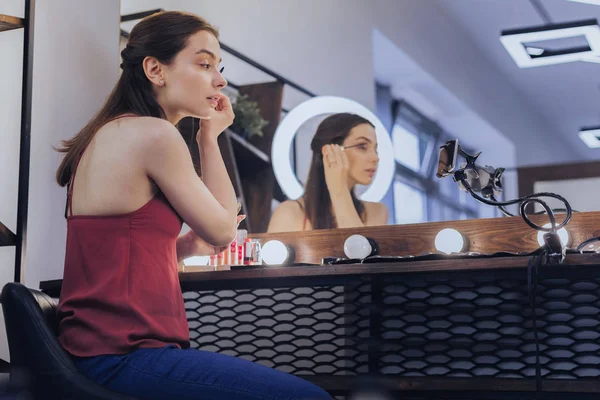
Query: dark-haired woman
344	154
131	185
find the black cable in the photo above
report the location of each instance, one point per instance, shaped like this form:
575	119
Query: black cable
548	210
504	210
509	214
548	252
524	201
554	210
532	280
585	243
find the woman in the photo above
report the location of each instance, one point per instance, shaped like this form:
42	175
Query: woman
131	185
344	154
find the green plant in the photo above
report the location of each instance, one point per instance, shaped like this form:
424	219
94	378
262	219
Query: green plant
248	121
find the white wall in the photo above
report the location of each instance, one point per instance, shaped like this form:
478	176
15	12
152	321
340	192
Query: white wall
587	190
11	48
75	65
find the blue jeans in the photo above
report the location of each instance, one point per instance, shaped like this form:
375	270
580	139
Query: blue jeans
173	373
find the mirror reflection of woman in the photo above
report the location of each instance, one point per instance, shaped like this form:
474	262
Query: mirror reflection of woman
344	154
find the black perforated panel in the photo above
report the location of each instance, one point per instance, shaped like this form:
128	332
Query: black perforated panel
483	328
443	325
297	330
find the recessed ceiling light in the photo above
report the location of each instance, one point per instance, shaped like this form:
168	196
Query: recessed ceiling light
514	42
535	51
594	2
593	59
590	136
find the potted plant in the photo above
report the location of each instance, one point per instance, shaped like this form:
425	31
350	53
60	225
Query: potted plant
248	121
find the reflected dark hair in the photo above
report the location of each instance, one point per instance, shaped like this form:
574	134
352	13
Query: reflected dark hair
317	201
162	35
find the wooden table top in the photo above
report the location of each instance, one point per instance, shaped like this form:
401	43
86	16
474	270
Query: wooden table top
448	264
253	277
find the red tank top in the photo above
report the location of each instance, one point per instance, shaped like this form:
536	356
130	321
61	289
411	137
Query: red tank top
121	287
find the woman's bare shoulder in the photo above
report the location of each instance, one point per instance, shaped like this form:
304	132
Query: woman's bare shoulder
288	216
147	134
374	205
291	208
150	127
377	213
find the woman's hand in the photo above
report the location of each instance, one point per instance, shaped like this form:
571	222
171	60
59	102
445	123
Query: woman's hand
336	166
190	244
218	120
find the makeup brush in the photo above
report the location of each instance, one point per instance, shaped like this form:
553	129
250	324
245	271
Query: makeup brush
349	147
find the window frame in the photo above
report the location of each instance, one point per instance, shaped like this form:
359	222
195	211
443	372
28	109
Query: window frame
407	116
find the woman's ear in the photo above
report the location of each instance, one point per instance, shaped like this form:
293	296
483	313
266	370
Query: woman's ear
153	70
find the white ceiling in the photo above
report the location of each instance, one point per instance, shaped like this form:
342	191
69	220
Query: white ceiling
567	95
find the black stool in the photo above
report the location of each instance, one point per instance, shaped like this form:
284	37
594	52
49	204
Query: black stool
35	354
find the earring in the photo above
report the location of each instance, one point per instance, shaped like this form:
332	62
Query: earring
161	82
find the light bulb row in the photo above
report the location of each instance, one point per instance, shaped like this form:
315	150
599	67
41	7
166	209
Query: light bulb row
452	241
447	241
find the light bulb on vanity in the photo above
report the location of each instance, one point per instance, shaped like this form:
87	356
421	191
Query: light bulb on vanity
360	247
275	252
451	241
563	234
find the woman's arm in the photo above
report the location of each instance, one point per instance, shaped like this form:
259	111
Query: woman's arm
336	166
190	245
209	208
167	161
214	172
344	211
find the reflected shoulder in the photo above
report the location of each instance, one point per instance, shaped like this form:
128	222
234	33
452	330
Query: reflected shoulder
290	207
376	212
288	216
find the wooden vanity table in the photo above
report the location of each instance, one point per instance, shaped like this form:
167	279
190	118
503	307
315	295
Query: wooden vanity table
431	327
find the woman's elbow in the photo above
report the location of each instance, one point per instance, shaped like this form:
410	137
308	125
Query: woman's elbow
225	236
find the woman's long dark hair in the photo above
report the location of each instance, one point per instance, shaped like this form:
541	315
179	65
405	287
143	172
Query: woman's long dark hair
162	35
317	202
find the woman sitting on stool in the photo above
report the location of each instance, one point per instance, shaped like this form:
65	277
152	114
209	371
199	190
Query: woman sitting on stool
131	186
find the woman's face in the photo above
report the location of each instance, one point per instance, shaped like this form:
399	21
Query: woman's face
193	79
363	159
